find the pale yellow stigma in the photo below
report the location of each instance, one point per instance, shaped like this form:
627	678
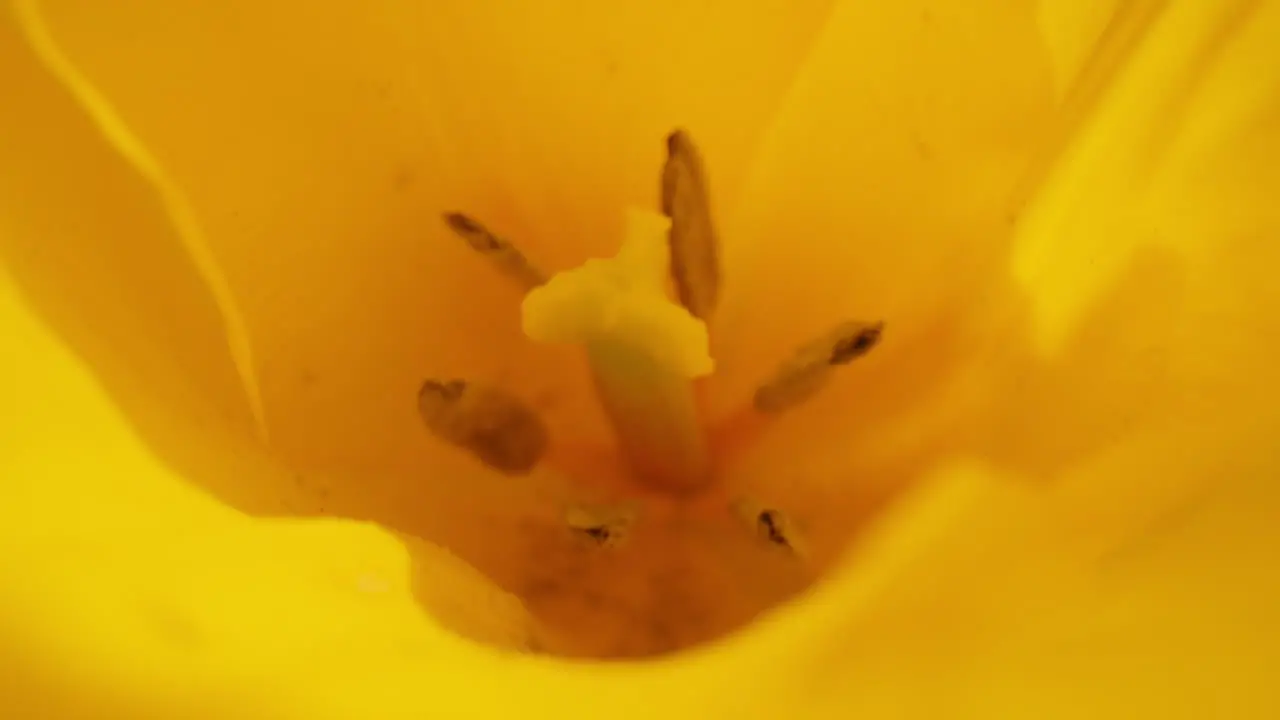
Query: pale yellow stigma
623	299
644	349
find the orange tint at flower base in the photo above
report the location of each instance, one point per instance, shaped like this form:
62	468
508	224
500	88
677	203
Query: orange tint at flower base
1061	211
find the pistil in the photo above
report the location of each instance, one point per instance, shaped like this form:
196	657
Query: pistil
644	349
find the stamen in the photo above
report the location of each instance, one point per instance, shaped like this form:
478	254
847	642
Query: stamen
807	372
644	350
602	526
770	522
695	265
772	526
494	426
501	254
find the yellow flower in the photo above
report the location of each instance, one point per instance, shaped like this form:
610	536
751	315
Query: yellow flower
223	279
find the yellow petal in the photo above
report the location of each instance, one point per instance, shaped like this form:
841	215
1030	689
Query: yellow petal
111	554
983	596
1109	359
129	592
1072	32
885	191
886	180
882	230
1117	561
90	244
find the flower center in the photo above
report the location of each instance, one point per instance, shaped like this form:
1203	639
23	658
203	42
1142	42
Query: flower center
642	317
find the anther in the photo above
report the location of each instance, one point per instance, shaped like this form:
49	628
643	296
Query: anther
602	526
494	426
809	369
695	263
501	254
771	526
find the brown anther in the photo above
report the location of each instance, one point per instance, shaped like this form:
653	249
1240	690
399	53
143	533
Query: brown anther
494	426
770	524
695	262
503	255
855	340
809	369
601	525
